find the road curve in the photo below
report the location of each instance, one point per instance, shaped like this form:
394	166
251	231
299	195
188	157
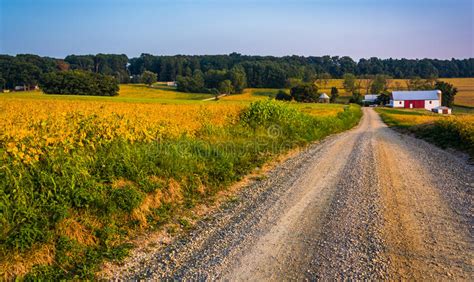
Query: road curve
369	203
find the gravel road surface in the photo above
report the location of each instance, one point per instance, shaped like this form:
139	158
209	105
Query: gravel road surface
369	203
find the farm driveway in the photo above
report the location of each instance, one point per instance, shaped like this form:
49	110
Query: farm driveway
369	203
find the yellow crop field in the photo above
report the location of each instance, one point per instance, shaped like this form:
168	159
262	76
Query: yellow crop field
30	127
251	95
465	86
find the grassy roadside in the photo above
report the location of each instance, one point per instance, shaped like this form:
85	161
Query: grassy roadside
65	213
456	131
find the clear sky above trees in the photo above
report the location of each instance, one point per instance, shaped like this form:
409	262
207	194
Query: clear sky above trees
357	28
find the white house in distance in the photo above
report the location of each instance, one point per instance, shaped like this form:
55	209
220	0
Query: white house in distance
370	98
416	99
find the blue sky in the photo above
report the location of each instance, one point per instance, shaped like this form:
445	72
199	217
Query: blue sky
357	28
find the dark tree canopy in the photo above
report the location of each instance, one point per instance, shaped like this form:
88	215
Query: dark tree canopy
261	69
109	64
448	92
79	83
283	96
25	70
306	93
148	77
334	94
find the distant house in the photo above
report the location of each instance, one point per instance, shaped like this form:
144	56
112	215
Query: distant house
370	98
20	88
26	88
416	99
323	98
171	83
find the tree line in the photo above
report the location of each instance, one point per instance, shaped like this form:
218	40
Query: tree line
226	73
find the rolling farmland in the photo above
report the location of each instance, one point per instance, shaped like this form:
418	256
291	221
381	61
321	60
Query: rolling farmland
86	173
236	140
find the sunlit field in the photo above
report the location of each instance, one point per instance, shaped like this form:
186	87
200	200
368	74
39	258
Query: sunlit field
465	86
89	172
137	93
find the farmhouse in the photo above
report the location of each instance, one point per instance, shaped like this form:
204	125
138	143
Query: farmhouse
416	99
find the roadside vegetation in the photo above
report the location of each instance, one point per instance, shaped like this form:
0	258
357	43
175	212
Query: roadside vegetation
456	131
79	177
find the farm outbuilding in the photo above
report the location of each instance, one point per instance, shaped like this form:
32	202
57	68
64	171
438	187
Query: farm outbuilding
416	99
370	98
324	98
441	110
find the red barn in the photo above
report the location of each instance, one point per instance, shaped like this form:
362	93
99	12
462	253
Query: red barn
416	99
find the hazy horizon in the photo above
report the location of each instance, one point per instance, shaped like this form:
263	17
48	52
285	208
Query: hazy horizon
438	29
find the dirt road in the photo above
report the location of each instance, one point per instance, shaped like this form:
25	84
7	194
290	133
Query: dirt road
369	203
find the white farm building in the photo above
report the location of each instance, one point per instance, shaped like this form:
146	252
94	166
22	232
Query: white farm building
416	99
370	98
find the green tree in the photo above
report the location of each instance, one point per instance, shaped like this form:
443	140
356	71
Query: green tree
292	82
417	83
356	98
225	87
383	99
379	84
448	93
148	78
334	94
238	78
367	81
349	82
2	83
306	93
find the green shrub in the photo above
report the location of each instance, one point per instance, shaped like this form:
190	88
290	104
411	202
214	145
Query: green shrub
283	96
126	198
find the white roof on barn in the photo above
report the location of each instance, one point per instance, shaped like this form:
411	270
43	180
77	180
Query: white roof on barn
415	95
324	96
370	96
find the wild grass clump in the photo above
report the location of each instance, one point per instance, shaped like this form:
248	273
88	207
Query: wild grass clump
450	133
84	202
